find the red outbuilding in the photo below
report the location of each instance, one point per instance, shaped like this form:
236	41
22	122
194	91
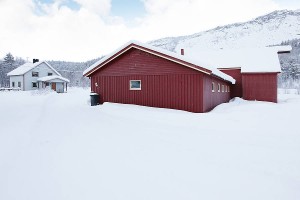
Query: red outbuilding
254	69
141	74
144	75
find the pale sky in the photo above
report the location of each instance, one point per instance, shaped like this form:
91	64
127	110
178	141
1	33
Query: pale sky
79	30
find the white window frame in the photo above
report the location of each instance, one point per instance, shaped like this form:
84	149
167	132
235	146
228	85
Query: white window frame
219	87
222	88
130	88
213	87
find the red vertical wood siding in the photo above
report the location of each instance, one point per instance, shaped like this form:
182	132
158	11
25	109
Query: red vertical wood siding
165	84
212	99
261	87
237	88
182	92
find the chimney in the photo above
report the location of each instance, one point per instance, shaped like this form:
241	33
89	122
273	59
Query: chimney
35	60
182	51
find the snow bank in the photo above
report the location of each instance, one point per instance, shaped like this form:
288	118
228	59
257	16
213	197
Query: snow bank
56	146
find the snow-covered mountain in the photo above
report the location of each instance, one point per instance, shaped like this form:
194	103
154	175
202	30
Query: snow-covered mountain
269	29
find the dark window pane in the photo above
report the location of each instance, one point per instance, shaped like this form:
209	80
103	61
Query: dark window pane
135	84
35	74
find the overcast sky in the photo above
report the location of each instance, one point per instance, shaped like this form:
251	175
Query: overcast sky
79	30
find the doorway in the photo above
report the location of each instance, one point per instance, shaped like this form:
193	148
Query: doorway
53	86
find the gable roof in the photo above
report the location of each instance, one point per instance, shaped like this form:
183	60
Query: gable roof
49	78
27	67
180	59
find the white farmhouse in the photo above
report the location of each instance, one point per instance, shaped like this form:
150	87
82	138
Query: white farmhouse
32	76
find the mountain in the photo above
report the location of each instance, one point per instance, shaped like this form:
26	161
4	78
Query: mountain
276	28
269	29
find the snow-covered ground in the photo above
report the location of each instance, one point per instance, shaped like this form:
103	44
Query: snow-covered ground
57	147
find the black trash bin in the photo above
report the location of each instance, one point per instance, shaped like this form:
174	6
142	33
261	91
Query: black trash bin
94	99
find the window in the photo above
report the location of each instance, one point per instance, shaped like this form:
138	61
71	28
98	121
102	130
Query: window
47	84
12	84
213	87
228	89
222	88
35	74
219	87
135	85
50	74
34	84
19	84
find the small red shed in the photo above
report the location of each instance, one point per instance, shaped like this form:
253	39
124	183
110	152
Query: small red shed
141	74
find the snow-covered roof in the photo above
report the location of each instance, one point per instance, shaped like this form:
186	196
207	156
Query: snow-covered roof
27	67
285	48
189	62
50	78
250	60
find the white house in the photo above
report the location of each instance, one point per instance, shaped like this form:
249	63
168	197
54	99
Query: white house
32	76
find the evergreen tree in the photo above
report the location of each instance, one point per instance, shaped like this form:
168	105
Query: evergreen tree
9	59
6	66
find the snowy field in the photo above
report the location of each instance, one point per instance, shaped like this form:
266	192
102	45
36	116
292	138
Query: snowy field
57	147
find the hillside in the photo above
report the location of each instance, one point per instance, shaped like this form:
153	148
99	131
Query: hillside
276	28
269	29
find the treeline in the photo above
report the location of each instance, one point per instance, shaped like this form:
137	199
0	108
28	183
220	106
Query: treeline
73	71
289	78
8	64
290	66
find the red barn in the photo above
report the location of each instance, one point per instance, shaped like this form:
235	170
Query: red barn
144	75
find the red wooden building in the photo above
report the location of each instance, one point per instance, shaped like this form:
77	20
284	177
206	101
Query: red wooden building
254	69
253	86
144	75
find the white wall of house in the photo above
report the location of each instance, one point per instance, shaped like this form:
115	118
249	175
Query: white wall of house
17	80
43	71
